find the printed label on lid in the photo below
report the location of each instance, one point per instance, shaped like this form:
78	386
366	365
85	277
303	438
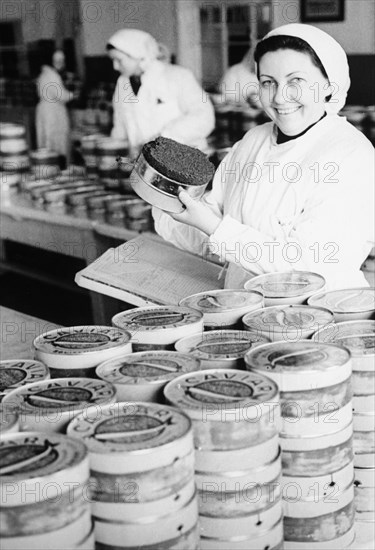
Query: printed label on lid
148	366
126	427
230	387
15	373
31	455
225	344
8	420
222	300
350	300
280	317
81	339
60	394
358	336
156	318
306	356
288	284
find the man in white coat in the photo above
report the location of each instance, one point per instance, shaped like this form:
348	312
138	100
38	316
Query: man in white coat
153	98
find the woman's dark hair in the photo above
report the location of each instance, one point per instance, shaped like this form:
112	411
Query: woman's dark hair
285	42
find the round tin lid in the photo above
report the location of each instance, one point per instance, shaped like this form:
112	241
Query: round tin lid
357	336
348	300
60	395
47	463
286	284
79	340
147	367
218	301
302	364
220	344
215	389
279	318
137	436
8	420
155	318
19	372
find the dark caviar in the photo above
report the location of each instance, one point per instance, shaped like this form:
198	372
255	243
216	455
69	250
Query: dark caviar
179	162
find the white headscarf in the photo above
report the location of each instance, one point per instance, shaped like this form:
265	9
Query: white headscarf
136	43
331	55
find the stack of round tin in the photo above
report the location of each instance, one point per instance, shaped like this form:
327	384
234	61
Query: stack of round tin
316	440
224	349
158	327
142	376
44	163
78	350
359	338
142	472
286	287
45	501
223	309
237	456
88	152
49	405
289	322
14	152
108	151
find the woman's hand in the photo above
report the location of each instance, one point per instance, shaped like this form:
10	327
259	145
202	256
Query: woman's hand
197	214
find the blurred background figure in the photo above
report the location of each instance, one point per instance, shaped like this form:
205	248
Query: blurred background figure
164	53
52	120
240	85
154	97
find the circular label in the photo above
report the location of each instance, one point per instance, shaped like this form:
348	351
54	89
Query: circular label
31	455
223	344
304	356
216	301
127	427
147	366
279	318
18	372
81	339
350	300
230	387
8	419
286	284
358	336
60	394
156	318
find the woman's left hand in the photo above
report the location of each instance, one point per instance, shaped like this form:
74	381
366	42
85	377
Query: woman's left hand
197	214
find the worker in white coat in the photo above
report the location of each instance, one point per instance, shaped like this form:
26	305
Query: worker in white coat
239	84
154	98
296	193
52	119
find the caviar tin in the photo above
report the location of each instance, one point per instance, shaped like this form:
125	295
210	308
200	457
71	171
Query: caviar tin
133	437
348	304
156	327
18	372
289	287
289	323
11	130
223	308
77	350
44	491
160	190
141	376
40	461
220	348
230	409
302	365
44	163
49	405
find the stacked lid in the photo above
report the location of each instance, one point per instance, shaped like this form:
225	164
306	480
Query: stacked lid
44	492
15	373
349	304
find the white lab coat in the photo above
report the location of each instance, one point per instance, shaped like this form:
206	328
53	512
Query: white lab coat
170	102
306	204
52	119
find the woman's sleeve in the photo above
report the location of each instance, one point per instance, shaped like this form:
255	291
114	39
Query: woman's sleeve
198	117
329	236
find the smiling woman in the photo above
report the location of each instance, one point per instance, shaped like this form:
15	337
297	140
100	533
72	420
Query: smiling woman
295	193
